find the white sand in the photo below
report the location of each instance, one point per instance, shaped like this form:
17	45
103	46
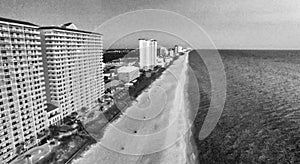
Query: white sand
152	130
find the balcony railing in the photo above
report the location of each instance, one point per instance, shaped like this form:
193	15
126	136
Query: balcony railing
18	42
15	30
17	36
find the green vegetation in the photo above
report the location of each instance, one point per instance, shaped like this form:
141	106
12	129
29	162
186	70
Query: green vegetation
111	54
20	148
72	138
143	82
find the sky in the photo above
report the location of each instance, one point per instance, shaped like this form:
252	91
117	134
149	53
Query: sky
229	24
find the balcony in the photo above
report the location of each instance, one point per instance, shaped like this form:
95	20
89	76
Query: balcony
36	37
15	30
36	32
32	37
4	42
3	28
18	48
14	116
17	36
5	48
18	42
32	42
31	31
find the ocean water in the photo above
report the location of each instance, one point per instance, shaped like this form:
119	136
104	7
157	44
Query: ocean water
260	119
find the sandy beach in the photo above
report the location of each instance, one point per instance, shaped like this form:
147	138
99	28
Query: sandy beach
153	129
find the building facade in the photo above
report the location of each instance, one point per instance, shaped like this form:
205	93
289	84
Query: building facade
161	62
23	117
73	68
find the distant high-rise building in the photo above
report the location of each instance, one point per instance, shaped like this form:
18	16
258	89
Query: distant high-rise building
163	52
23	116
180	49
73	68
142	53
176	49
154	55
151	54
171	52
147	53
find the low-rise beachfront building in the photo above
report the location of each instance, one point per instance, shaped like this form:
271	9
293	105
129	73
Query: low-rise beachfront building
128	73
112	84
161	62
171	53
54	114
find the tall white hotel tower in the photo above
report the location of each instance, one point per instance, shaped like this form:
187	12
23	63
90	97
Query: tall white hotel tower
142	53
73	68
155	52
23	116
39	67
147	53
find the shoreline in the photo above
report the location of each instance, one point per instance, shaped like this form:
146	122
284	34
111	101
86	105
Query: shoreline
181	114
186	109
194	94
190	159
89	146
191	113
94	147
89	156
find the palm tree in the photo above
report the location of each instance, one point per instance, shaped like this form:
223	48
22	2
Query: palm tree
26	144
20	148
83	109
53	131
100	101
74	114
28	158
32	139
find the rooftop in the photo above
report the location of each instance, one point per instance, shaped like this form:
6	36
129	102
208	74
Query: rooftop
126	69
50	107
112	83
16	21
67	29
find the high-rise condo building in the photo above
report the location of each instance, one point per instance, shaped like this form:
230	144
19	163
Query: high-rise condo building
73	68
178	49
155	53
151	54
142	53
147	53
23	117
